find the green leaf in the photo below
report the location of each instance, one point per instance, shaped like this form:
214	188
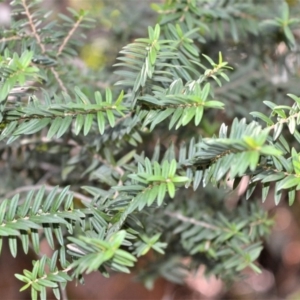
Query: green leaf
54	127
198	115
277	130
88	123
98	97
64	126
120	98
110	117
171	189
79	123
161	193
261	116
32	126
289	35
288	182
214	104
101	121
108	95
172	168
81	95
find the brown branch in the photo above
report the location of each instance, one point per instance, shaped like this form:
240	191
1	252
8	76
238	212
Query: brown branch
59	81
16	37
11	38
33	27
48	188
63	291
70	33
42	46
185	219
282	121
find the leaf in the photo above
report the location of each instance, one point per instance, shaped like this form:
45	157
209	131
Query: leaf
88	123
79	123
261	116
273	177
288	182
64	126
120	98
214	104
172	169
253	158
292	125
198	115
12	243
54	127
108	95
110	117
188	114
161	193
289	35
101	122
277	130
81	95
265	191
291	196
10	215
98	97
171	189
32	126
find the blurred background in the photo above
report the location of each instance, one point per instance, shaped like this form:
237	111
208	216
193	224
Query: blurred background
118	22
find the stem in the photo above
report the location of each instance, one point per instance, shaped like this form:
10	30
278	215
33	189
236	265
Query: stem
70	33
63	292
39	42
182	218
32	26
48	188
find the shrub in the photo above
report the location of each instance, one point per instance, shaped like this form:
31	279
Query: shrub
145	164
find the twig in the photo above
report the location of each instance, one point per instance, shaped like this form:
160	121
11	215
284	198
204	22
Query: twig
59	81
120	120
33	28
63	292
48	188
118	169
70	33
182	218
11	38
42	46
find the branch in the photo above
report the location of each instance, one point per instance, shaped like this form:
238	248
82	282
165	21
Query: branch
42	46
33	27
11	38
282	121
59	81
48	188
182	218
70	33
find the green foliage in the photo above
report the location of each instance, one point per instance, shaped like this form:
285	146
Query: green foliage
120	196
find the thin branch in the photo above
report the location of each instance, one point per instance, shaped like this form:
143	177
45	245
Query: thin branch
185	219
59	81
282	121
11	38
238	82
120	120
33	28
48	188
42	46
70	33
63	292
